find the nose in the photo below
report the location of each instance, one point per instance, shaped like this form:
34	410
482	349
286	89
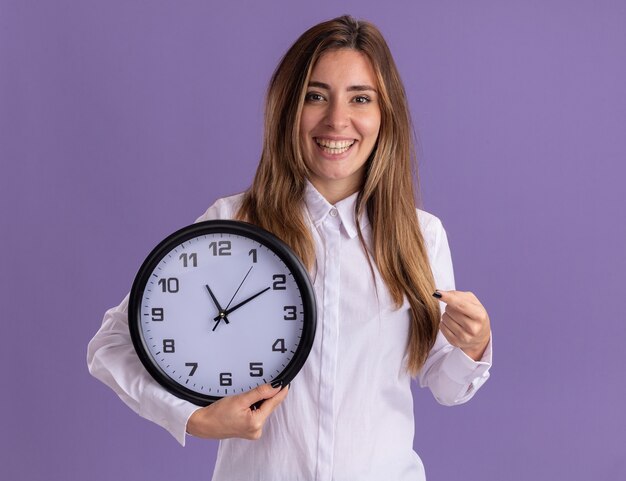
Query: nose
337	115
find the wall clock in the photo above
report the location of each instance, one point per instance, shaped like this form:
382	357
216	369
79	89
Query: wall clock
220	307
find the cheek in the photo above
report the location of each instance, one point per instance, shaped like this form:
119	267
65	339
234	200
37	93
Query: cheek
308	120
304	140
369	128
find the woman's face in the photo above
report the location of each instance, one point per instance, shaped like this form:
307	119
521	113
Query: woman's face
340	122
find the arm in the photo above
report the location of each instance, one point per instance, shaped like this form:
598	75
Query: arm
451	374
111	358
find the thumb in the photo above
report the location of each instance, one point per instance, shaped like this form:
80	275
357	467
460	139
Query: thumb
438	294
270	404
444	296
259	393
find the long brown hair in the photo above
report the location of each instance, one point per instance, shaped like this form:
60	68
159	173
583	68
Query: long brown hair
387	193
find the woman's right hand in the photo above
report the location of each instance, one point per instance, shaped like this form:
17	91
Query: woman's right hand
233	417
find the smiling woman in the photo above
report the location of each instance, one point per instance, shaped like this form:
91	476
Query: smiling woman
334	183
340	122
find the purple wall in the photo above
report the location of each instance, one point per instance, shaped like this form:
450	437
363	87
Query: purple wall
121	121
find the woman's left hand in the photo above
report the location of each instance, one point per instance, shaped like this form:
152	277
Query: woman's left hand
465	323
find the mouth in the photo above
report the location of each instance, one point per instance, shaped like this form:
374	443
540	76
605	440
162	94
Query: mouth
334	147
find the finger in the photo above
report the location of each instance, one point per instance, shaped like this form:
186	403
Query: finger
472	317
466	330
272	403
454	317
452	325
459	300
259	393
466	321
449	334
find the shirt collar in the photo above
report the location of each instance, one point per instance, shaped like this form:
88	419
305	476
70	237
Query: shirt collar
320	209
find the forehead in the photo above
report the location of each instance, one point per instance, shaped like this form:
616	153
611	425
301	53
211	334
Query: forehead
344	66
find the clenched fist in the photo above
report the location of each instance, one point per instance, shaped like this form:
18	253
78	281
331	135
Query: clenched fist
465	322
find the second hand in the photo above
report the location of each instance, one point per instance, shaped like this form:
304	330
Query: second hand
244	280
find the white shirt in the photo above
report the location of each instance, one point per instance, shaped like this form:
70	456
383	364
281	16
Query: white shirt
349	412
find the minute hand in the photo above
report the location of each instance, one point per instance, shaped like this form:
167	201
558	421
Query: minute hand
228	311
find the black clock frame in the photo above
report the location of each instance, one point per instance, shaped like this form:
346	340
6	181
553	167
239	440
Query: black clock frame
251	231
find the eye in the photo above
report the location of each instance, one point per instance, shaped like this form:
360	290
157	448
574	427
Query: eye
362	99
313	97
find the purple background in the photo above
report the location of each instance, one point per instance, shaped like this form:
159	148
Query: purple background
121	121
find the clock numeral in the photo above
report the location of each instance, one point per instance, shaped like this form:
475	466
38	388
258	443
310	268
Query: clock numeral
279	282
226	379
221	248
290	313
193	366
169	285
253	254
189	259
157	313
168	346
256	369
279	346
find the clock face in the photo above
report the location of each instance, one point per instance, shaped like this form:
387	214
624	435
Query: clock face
219	308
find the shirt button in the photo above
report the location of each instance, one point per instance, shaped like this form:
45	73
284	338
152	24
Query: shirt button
333	212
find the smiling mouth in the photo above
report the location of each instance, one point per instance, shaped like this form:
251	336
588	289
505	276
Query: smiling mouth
334	147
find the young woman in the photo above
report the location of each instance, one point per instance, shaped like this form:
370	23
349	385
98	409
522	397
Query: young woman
335	183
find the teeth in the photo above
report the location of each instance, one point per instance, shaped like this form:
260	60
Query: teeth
334	144
334	147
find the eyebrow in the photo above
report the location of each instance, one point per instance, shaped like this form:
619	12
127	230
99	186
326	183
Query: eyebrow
352	88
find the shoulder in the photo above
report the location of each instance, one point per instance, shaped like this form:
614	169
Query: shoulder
224	208
436	243
430	225
432	231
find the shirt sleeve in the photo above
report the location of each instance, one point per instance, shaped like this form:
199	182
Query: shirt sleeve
111	358
452	376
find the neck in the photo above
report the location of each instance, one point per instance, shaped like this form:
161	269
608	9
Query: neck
334	192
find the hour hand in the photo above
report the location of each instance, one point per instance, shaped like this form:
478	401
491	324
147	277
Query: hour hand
222	313
234	308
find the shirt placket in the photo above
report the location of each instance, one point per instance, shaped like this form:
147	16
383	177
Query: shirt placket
330	336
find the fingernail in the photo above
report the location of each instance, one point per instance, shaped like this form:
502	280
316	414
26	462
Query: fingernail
276	384
437	294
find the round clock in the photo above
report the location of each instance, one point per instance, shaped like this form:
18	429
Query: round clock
220	307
